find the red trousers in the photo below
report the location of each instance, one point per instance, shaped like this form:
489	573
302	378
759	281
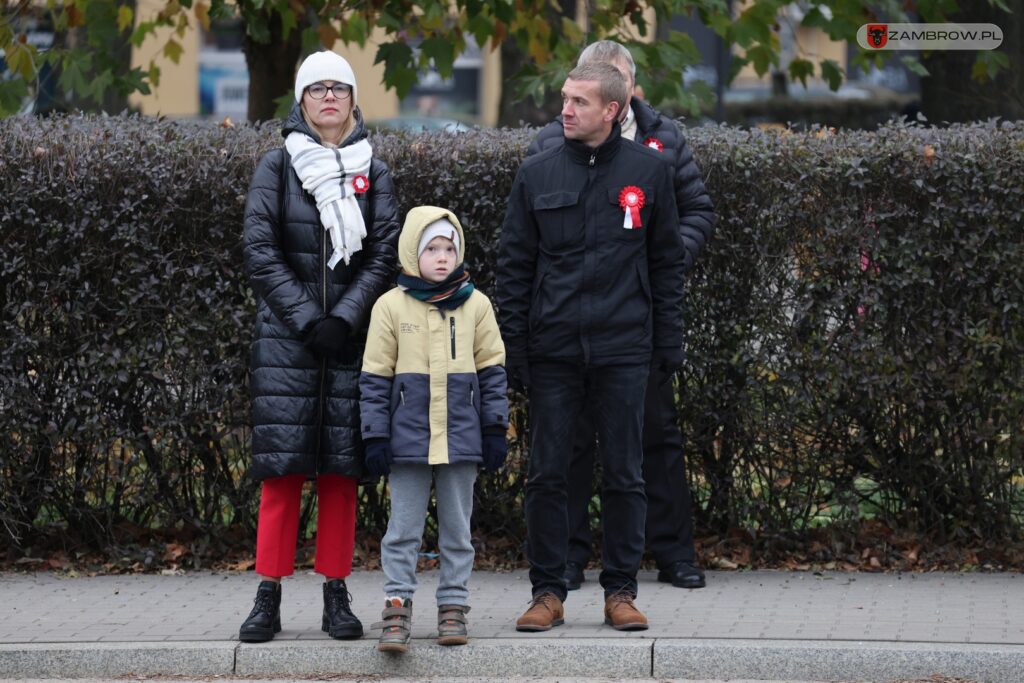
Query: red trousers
278	527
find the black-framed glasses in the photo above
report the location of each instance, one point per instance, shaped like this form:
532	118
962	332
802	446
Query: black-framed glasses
318	91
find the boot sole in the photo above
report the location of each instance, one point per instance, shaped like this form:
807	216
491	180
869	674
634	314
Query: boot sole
259	636
347	633
635	626
399	648
535	628
452	640
699	583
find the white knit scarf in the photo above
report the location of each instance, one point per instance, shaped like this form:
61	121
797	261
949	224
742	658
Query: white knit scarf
327	173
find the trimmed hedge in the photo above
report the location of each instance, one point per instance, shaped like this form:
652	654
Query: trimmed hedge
854	339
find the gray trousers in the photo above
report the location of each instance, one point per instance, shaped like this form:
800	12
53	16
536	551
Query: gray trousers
410	494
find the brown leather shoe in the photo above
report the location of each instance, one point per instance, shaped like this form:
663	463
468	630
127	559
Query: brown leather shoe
622	615
545	612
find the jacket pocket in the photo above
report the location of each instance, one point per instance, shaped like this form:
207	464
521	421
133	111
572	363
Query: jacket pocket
535	299
560	219
464	415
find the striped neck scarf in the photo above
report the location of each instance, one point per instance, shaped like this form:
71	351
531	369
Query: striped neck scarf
448	295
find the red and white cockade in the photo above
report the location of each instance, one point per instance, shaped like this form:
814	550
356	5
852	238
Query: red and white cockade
631	199
654	143
360	184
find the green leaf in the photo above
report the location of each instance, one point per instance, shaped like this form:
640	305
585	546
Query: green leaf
354	29
988	64
399	67
441	52
99	85
915	66
831	72
283	105
12	95
125	17
144	29
801	70
762	58
310	40
173	51
288	22
20	60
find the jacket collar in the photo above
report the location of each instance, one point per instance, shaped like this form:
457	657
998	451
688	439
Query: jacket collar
584	154
647	118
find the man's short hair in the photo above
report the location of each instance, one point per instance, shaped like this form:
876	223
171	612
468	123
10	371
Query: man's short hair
609	52
611	85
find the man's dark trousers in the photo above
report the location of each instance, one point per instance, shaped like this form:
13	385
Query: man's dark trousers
559	394
669	528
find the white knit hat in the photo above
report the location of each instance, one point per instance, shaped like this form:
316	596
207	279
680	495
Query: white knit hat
324	66
442	227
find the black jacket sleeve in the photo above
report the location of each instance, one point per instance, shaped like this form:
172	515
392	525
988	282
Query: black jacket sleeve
379	252
517	263
665	254
269	271
696	212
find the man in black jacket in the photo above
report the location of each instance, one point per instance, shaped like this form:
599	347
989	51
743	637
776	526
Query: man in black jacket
669	528
590	290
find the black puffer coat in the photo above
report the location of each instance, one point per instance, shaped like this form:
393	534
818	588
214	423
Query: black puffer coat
696	212
305	410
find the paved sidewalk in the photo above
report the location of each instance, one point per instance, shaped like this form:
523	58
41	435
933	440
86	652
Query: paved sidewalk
757	625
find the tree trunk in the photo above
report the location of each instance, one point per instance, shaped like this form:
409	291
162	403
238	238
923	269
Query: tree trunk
950	95
271	68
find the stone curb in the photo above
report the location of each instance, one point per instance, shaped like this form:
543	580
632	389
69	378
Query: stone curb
84	660
498	657
832	660
664	658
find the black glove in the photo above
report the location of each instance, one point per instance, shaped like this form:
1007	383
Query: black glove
666	360
379	457
328	338
518	371
495	448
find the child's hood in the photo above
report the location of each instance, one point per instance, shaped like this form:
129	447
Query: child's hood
416	221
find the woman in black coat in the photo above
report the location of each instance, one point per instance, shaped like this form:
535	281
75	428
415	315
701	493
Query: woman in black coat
321	228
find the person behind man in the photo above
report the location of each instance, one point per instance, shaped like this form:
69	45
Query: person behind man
669	528
590	291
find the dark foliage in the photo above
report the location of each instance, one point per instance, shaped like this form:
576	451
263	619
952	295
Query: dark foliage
854	340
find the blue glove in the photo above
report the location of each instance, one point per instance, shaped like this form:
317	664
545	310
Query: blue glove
379	457
495	448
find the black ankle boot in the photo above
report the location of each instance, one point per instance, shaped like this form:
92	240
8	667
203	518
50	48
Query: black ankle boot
338	621
265	618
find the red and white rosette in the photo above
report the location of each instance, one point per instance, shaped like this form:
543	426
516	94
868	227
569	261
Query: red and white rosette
631	199
360	184
654	143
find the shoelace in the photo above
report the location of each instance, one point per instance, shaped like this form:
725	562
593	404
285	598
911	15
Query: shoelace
336	597
543	599
622	596
264	602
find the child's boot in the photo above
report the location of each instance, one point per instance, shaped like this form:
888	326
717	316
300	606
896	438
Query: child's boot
451	625
395	625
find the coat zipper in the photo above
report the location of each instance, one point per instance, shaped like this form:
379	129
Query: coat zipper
451	328
323	361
